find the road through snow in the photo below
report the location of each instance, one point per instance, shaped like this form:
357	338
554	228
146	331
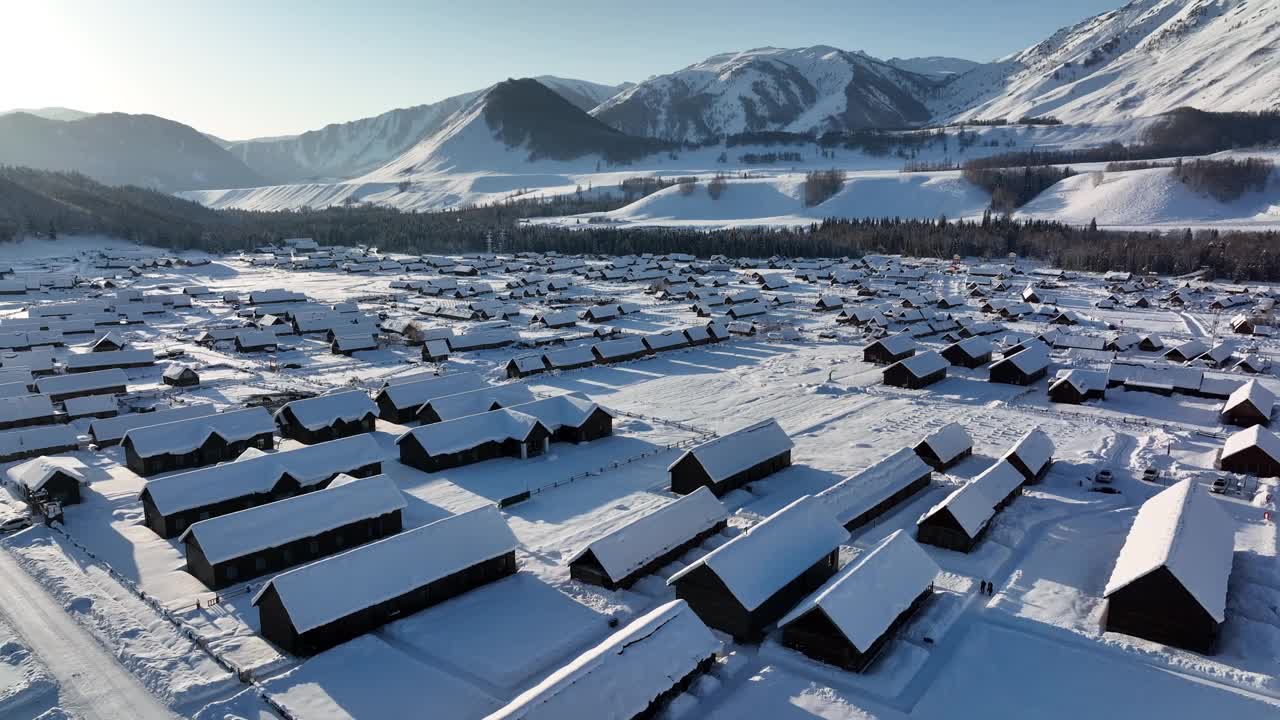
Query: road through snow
92	684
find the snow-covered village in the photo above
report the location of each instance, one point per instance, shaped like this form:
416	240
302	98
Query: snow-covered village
671	361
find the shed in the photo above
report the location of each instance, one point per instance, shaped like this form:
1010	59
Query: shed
327	417
945	447
848	620
749	582
917	371
268	538
1252	451
889	350
732	460
1250	404
327	602
649	542
861	498
56	479
1170	579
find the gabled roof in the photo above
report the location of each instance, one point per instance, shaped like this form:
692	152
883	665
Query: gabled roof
1034	449
113	429
416	392
1256	436
949	442
33	474
968	504
80	382
1033	358
109	358
273	525
635	544
323	410
763	559
451	436
568	410
897	344
337	586
260	472
1184	530
858	493
999	480
1254	394
621	677
25	407
736	451
923	364
974	347
449	407
867	596
183	436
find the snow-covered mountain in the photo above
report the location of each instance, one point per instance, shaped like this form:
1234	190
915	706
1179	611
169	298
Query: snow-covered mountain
1145	58
817	88
346	150
120	149
934	66
51	113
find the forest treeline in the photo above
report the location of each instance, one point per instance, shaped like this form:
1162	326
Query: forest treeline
36	202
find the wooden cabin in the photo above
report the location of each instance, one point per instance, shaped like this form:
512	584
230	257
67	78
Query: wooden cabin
1032	455
180	376
1251	404
197	441
327	417
945	447
1021	368
889	350
472	439
917	371
732	460
871	493
969	353
958	522
49	479
1252	451
1076	386
399	402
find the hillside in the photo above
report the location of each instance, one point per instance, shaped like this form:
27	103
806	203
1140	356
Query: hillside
346	150
120	149
934	66
1148	57
809	89
51	113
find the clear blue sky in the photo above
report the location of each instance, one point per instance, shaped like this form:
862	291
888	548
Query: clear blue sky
240	68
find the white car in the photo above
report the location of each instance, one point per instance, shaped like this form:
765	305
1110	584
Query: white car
12	522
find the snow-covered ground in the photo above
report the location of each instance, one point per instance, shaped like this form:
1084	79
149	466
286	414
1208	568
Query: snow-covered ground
1035	647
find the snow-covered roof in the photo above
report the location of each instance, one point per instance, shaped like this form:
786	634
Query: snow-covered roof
82	382
858	493
999	480
79	407
451	436
665	340
33	474
352	343
619	678
759	562
1190	349
1082	380
110	358
635	544
621	347
337	586
481	338
25	407
255	338
113	429
273	525
968	504
450	407
258	474
865	597
1034	449
1185	530
1033	358
1265	440
923	364
569	357
37	439
948	442
568	410
182	436
323	410
416	392
1253	393
975	347
736	451
898	344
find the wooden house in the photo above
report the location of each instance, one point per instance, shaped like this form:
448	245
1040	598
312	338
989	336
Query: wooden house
570	418
867	495
570	358
1251	404
1187	351
1032	455
251	341
49	479
945	447
30	442
111	431
399	402
1001	483
732	460
269	538
180	376
958	522
749	582
620	350
327	417
1151	343
472	439
322	604
1252	451
1169	583
848	621
525	365
1021	368
891	349
93	406
109	342
649	542
98	382
1076	386
172	503
970	353
197	441
917	371
484	399
26	410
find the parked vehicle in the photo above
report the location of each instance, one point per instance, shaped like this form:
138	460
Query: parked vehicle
1219	485
1151	475
1104	477
12	522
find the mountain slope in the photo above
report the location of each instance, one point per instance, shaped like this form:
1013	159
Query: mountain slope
120	149
346	150
1145	58
934	66
51	113
818	88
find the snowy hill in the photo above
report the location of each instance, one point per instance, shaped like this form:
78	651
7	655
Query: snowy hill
347	150
120	149
818	88
51	113
1145	58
